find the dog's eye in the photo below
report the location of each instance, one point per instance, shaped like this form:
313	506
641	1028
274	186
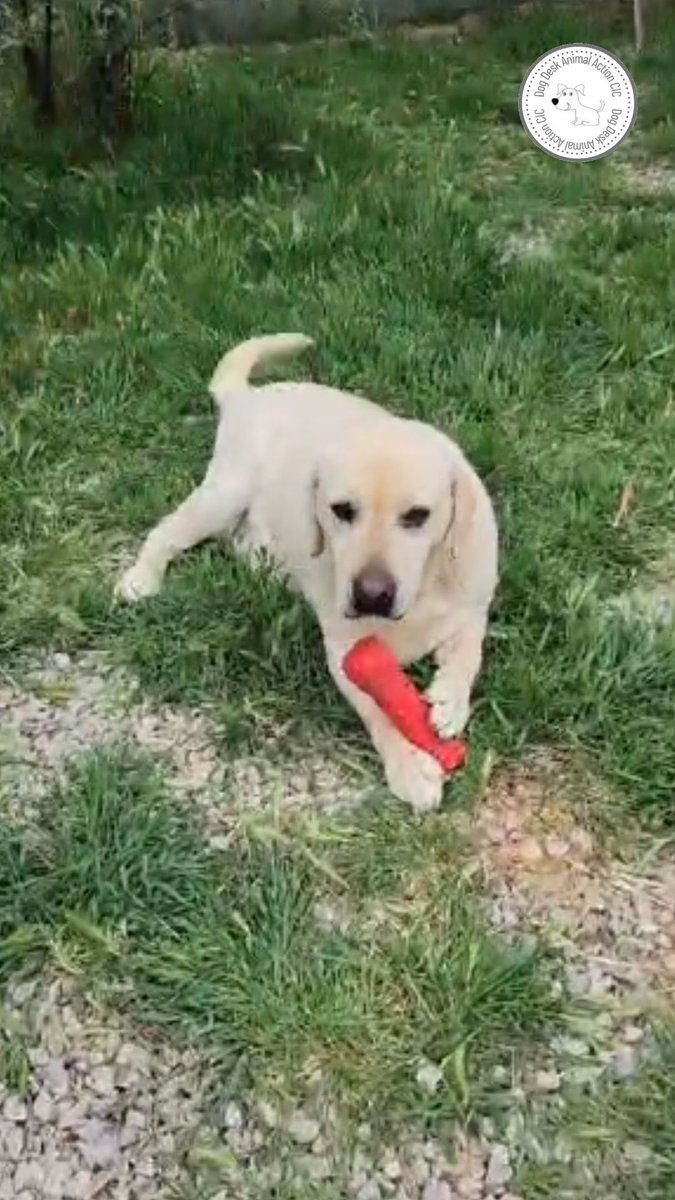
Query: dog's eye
415	517
344	511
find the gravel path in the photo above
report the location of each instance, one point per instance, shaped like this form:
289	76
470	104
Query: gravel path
101	1113
106	1111
65	709
611	919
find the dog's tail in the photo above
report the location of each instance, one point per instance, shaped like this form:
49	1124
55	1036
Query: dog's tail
602	105
235	367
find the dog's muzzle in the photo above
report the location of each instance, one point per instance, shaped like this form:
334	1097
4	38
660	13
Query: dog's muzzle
373	593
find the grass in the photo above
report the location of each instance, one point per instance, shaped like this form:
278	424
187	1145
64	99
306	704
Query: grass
379	227
382	197
225	947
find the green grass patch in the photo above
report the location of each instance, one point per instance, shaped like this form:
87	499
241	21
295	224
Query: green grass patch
116	884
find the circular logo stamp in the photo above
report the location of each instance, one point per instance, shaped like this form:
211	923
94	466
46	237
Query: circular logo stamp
578	102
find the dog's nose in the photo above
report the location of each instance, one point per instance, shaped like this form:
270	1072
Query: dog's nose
554	100
373	592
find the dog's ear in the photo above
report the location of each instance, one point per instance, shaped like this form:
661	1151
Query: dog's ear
580	88
463	499
318	541
561	88
469	550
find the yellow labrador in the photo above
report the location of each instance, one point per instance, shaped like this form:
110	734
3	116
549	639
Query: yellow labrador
380	521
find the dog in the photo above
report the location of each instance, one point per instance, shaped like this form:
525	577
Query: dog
380	521
568	100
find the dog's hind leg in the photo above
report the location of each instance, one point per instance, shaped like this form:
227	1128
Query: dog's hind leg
213	509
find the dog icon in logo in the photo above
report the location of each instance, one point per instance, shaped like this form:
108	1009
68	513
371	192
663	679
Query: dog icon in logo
569	99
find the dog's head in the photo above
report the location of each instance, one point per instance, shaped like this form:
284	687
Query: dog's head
567	97
382	509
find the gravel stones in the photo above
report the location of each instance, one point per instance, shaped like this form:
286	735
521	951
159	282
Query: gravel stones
437	1189
544	873
546	1081
108	1114
499	1169
75	1135
116	1117
303	1129
70	707
429	1077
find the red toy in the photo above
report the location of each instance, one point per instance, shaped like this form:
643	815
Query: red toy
374	668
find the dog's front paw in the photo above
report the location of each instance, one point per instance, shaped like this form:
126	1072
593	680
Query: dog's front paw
415	778
449	708
138	583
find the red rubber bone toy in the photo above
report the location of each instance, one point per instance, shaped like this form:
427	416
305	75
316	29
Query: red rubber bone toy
374	668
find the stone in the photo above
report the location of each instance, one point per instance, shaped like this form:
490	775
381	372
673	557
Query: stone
83	1186
303	1129
44	1108
135	1057
469	1189
57	1180
102	1081
29	1176
546	1081
19	994
15	1110
370	1190
499	1170
71	1116
317	1167
584	1077
637	1153
233	1117
437	1189
268	1114
165	1145
12	1141
99	1143
129	1135
557	847
530	851
391	1168
55	1079
577	982
54	1036
60	661
429	1077
146	1169
418	1170
625	1063
571	1047
362	1164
